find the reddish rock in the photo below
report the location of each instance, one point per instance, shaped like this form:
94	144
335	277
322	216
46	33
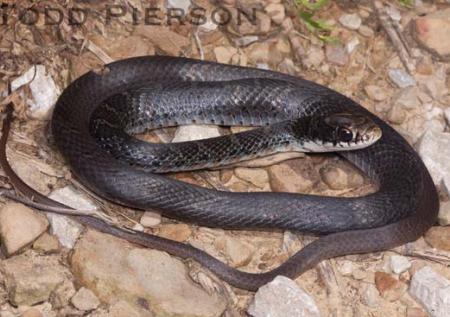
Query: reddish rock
389	287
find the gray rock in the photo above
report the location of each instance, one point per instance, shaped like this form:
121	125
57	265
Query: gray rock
282	297
66	229
407	98
366	31
399	264
32	279
195	132
20	226
179	4
434	148
115	269
43	88
444	214
336	54
432	291
85	299
393	13
350	21
370	296
401	78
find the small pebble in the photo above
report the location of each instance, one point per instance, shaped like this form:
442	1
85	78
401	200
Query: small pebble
399	264
401	78
366	31
85	300
150	219
375	92
444	214
350	21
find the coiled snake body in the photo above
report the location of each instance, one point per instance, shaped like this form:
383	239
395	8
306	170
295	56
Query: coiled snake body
402	209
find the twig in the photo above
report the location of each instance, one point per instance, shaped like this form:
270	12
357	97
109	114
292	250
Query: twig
395	35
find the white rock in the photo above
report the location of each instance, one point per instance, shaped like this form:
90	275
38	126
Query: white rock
370	296
399	264
434	148
85	299
444	214
432	290
346	269
195	132
150	219
393	13
20	226
352	44
66	229
401	78
44	90
282	297
179	4
350	21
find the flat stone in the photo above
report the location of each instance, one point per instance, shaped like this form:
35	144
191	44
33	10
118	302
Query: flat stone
350	21
115	269
195	132
389	287
375	92
336	54
32	279
432	31
43	88
85	299
284	178
255	176
335	177
46	243
438	237
399	263
401	78
150	219
366	31
434	149
66	229
282	297
432	291
370	296
444	214
20	226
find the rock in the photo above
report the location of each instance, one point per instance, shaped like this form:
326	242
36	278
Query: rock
284	178
20	226
66	229
287	66
370	296
313	57
32	312
276	12
85	299
399	264
432	30
46	243
444	214
432	291
168	41
366	31
179	4
346	269
282	297
224	53
401	78
195	132
62	294
255	176
415	312
150	219
350	21
113	268
434	149
438	237
335	177
32	279
123	308
240	253
389	287
336	54
178	231
352	45
393	13
396	114
43	88
375	92
407	98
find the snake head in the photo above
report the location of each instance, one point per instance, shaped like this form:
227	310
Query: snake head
343	131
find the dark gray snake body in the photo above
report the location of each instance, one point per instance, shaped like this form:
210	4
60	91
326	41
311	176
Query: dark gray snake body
403	208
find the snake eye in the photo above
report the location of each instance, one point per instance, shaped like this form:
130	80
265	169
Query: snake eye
345	135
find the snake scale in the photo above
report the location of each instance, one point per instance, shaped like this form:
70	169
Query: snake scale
401	210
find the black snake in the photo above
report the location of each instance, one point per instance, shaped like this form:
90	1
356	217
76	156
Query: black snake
92	112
